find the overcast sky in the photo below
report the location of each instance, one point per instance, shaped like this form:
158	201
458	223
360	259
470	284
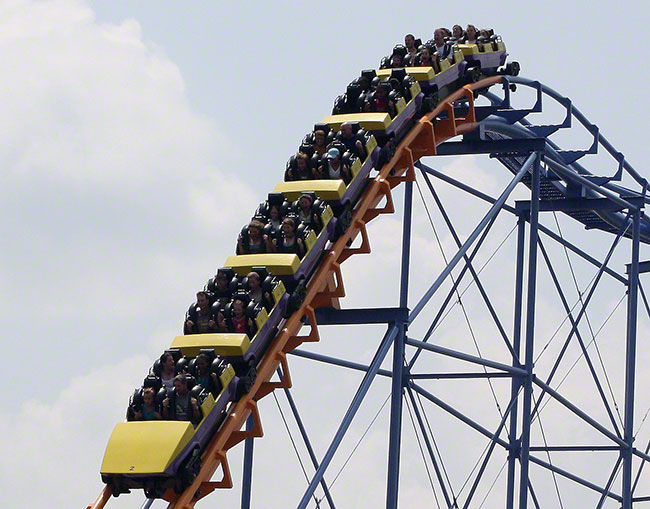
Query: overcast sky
136	139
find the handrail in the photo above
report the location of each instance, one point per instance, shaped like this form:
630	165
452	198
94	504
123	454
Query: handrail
584	121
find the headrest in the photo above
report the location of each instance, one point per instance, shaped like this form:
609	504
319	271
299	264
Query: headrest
196	391
310	194
152	381
252	309
275	199
398	73
400	50
216	307
369	74
395	83
322	127
353	90
175	352
218	365
136	398
262	271
182	364
209	352
241	295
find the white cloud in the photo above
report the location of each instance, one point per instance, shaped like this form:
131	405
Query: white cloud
57	441
112	184
119	202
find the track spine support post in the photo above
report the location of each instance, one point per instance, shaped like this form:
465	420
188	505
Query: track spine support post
513	454
630	360
397	385
247	476
530	334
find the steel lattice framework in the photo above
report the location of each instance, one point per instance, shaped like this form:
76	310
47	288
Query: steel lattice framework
557	182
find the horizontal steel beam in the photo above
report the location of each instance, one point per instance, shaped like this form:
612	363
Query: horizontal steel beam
574	448
643	267
443	376
333	316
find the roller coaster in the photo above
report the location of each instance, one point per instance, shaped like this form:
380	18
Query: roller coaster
421	113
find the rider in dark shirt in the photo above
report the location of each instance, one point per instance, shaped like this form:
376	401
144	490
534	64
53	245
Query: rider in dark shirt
186	408
204	321
288	241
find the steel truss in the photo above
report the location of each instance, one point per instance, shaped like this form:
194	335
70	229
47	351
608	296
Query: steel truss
536	162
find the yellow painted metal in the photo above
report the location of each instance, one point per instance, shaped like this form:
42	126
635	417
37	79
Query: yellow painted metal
444	64
370	121
206	406
310	240
223	343
278	291
191	344
400	105
458	55
330	190
415	90
145	447
355	168
501	46
327	215
371	145
226	377
487	47
468	49
261	319
384	74
421	73
280	264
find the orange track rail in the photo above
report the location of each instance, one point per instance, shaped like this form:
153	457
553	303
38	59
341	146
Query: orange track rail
324	289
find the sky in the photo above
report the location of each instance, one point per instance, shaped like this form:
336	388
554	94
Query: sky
135	141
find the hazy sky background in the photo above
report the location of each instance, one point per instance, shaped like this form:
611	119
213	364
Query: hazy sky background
136	139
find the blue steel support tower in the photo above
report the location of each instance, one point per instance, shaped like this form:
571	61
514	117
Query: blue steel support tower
558	183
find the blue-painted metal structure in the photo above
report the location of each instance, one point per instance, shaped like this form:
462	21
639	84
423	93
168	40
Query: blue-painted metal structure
559	181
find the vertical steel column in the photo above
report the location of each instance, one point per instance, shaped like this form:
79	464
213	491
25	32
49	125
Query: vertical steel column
406	245
630	361
397	386
248	467
513	453
395	437
530	331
